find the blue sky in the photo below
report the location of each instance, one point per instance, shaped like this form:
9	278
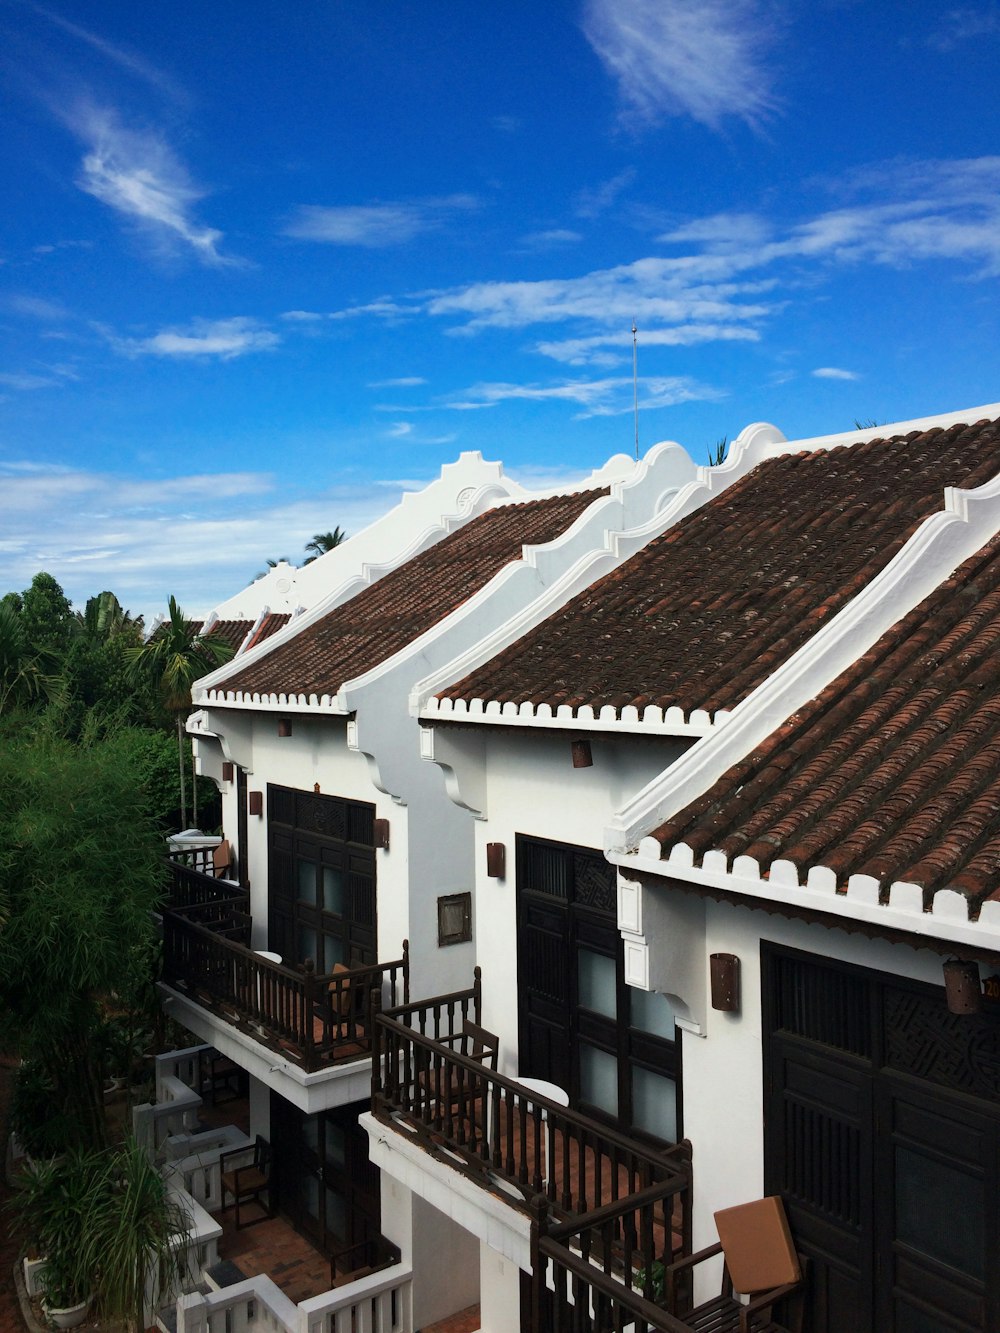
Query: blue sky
262	267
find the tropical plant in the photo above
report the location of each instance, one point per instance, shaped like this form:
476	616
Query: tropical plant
80	873
29	675
272	564
173	658
136	1238
323	542
55	1202
717	455
107	1226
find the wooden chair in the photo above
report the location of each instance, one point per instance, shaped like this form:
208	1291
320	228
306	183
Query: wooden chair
222	859
337	1013
248	1181
447	1084
760	1262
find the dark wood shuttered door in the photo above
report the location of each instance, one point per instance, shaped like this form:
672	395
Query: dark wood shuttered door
882	1131
321	879
580	1026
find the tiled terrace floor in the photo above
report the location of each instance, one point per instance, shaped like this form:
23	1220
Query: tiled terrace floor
274	1248
466	1321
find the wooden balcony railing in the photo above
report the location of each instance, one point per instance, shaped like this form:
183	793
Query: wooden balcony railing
191	887
316	1019
505	1135
593	1274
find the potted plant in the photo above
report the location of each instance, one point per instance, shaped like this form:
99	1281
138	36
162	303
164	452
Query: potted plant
54	1202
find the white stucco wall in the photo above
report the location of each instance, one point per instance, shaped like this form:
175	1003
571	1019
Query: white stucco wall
532	788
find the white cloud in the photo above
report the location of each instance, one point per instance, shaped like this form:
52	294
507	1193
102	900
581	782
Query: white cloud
590	203
723	276
701	58
221	338
399	428
609	349
598	398
382	308
136	173
301	316
146	539
36	307
400	382
375	226
551	239
834	373
957	26
133	64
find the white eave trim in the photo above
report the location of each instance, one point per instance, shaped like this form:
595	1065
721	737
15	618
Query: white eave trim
653	721
948	920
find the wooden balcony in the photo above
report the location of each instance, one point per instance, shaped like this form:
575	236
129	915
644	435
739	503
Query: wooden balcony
607	1209
314	1018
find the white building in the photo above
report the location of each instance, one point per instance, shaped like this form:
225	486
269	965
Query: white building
672	680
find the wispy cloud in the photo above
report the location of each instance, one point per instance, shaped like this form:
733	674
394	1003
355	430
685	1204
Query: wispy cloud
148	538
400	382
137	174
834	373
700	58
592	202
399	428
129	61
382	308
553	239
955	27
35	307
376	226
597	398
222	339
725	275
609	349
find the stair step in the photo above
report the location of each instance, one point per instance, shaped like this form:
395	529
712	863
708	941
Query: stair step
224	1274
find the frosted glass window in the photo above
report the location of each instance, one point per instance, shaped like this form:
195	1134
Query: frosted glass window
336	1214
598	983
333	891
336	1148
654	1104
307	882
334	953
652	1013
599	1078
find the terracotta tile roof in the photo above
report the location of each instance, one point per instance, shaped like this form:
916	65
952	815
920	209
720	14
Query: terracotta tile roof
232	632
705	612
383	618
894	770
271	623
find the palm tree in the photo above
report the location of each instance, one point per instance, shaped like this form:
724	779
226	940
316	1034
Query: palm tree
28	675
104	618
323	542
272	564
174	657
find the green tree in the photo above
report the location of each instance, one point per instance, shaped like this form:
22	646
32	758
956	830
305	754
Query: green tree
46	615
80	873
173	658
29	676
323	542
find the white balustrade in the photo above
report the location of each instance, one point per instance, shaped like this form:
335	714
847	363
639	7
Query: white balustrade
378	1303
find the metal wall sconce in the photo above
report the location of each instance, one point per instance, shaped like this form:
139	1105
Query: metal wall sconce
284	726
228	770
724	969
962	990
255	802
496	860
380	833
582	757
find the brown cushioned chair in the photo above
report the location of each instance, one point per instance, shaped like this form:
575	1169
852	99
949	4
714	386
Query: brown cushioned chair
760	1263
447	1084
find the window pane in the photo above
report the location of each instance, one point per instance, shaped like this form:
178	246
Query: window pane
307	882
939	1211
334	951
598	983
336	1214
333	891
652	1013
599	1078
654	1104
335	1146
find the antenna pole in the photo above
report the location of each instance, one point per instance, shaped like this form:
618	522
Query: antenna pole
635	388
